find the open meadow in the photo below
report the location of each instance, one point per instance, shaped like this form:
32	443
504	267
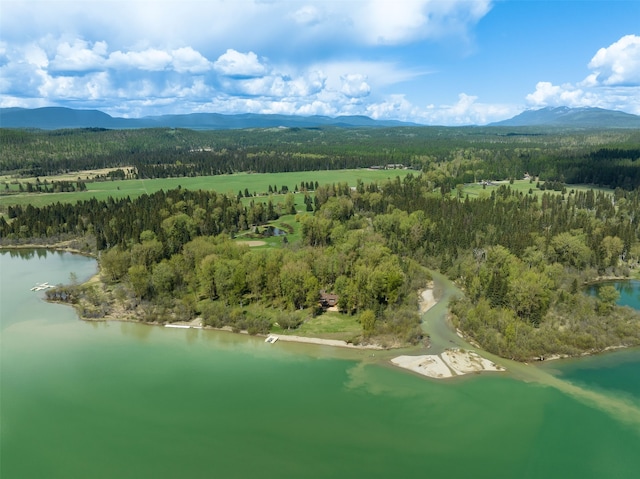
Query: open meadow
254	183
478	190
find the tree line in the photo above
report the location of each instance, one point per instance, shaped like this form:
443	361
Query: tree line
450	155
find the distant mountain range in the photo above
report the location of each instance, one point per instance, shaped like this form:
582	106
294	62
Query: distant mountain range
51	118
573	118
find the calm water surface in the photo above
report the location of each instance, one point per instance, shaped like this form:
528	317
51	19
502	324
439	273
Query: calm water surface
629	291
122	400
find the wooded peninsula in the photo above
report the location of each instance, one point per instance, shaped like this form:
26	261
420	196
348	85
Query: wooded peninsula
333	231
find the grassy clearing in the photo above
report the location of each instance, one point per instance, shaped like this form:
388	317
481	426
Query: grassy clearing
329	325
71	176
286	223
253	182
476	190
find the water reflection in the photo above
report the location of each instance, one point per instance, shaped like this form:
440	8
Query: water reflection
629	291
140	332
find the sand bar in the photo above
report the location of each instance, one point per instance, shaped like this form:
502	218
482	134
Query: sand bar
326	342
427	300
452	362
427	365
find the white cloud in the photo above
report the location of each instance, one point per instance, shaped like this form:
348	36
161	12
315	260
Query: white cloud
297	56
355	85
244	25
79	56
35	55
277	85
151	60
378	74
467	111
611	98
235	64
308	15
188	60
614	82
395	106
618	64
548	94
391	23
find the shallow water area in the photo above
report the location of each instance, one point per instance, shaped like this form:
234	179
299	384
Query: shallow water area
110	399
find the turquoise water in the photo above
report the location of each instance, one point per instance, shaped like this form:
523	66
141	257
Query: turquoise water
619	372
123	400
629	292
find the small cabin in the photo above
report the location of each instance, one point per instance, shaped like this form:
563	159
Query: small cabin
328	300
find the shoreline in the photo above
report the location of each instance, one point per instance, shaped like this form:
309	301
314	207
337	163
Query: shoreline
65	248
197	324
326	342
451	362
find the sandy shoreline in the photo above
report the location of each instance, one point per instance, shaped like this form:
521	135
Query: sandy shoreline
427	300
451	363
325	342
198	324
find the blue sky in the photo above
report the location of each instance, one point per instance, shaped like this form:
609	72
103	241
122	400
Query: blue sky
446	62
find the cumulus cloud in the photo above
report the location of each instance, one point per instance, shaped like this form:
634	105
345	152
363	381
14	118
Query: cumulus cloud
302	57
276	85
188	60
239	65
467	111
618	64
79	56
355	85
548	94
151	60
614	82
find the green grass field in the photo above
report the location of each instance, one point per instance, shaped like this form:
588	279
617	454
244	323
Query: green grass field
329	325
253	182
476	190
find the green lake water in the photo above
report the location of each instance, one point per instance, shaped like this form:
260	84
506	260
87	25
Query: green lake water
123	400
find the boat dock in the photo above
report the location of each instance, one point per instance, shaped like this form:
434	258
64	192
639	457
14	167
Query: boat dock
182	326
41	286
272	338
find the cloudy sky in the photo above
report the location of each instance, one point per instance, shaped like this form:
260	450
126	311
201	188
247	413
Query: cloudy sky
448	62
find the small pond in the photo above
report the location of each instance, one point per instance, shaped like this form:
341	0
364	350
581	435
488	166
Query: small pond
629	291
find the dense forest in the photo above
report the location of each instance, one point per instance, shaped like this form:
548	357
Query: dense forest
522	259
453	155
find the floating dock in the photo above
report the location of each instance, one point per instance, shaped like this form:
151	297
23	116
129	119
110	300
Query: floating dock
41	286
184	326
271	339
